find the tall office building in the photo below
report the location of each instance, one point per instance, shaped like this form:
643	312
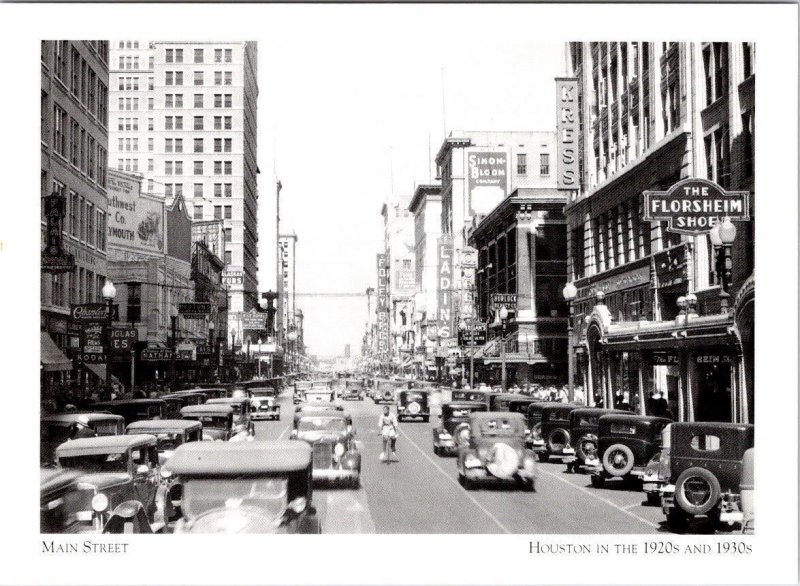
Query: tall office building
183	115
288	250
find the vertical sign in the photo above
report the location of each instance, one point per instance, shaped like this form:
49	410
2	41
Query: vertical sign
567	129
487	178
445	313
382	306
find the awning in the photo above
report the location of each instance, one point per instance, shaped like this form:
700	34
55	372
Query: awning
53	359
100	371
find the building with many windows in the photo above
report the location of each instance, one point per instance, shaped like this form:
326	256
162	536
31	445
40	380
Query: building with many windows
183	115
652	311
74	147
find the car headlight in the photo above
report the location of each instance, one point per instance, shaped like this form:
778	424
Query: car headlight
166	473
471	460
99	502
338	450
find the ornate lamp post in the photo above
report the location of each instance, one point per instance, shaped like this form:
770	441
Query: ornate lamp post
503	314
109	293
570	292
722	236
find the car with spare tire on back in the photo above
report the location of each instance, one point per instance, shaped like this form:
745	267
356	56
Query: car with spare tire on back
454	427
554	431
413	404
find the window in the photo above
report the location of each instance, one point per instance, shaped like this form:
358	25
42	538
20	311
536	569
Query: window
102	164
228	190
217	167
198	100
198	123
705	443
217	55
169	78
134	302
218	100
74	204
101	230
228	257
178	55
150	144
198	78
60	61
749	142
75	72
178	167
217	122
82	220
218	190
74	150
715	65
228	100
228	168
198	55
198	167
198	190
59	130
522	164
217	212
168	189
170	56
718	156
544	164
228	122
92	93
150	124
178	189
198	212
217	145
90	224
228	78
169	100
150	81
748	59
168	145
217	78
228	212
168	167
150	182
228	234
228	55
178	122
198	145
228	145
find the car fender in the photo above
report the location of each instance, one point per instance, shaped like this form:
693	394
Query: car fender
128	517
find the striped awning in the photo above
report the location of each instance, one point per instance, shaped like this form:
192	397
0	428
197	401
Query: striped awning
52	358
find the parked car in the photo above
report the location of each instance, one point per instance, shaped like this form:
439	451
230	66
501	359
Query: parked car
626	448
583	430
534	422
189	397
501	401
252	487
54	430
332	439
495	451
217	421
242	423
133	409
469	395
413	404
747	492
454	423
702	468
64	504
554	431
264	404
123	473
169	433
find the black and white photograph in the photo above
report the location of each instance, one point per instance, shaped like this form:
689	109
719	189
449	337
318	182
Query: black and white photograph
405	271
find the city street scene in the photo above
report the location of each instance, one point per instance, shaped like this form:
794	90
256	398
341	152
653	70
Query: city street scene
361	301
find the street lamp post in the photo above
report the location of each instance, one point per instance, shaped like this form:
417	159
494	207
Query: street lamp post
503	321
722	237
570	292
174	347
211	348
109	292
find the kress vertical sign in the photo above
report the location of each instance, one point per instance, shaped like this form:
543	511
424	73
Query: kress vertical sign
567	129
382	305
445	288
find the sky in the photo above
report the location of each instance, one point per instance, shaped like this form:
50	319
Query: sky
350	115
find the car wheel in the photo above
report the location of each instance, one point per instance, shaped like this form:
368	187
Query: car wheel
586	446
618	460
677	520
558	440
544	456
598	481
697	491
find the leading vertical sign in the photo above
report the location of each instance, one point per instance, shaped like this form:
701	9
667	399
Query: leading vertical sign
382	306
445	287
567	126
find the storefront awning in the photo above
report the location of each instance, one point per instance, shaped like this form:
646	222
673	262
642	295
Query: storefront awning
53	359
99	370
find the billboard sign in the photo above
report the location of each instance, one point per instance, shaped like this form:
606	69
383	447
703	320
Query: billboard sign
254	320
194	310
473	335
695	206
445	314
567	126
156	354
507	300
54	259
382	306
122	338
487	177
93	312
134	220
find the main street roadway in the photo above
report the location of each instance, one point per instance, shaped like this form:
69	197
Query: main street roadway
420	493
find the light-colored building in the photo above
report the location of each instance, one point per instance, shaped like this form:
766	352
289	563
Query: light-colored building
287	303
183	116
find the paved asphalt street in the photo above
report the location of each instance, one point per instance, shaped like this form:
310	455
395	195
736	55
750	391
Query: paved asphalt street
421	494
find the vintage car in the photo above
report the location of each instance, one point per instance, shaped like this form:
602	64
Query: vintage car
626	447
321	390
332	439
241	414
217	421
54	430
353	390
172	406
494	451
554	431
264	403
501	401
701	466
747	492
533	417
319	406
169	433
313	410
252	487
210	392
133	409
300	389
62	501
384	391
121	477
583	429
472	396
454	420
188	397
413	404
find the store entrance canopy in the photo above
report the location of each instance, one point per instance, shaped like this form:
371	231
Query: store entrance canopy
99	370
52	358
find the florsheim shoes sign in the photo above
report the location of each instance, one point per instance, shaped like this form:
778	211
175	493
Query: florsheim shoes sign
695	206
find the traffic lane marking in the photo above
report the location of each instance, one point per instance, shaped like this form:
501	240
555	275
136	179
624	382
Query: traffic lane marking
450	479
596	496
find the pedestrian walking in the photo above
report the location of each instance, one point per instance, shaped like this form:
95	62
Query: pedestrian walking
387	424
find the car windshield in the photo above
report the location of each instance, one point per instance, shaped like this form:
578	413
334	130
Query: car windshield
321	424
169	441
205	494
263	393
97	463
104	428
409	397
498	427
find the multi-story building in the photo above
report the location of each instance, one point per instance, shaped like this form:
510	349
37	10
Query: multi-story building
183	115
287	247
651	311
74	147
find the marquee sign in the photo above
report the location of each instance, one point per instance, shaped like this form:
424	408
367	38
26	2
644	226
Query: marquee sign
695	206
567	127
54	258
194	310
445	288
382	306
